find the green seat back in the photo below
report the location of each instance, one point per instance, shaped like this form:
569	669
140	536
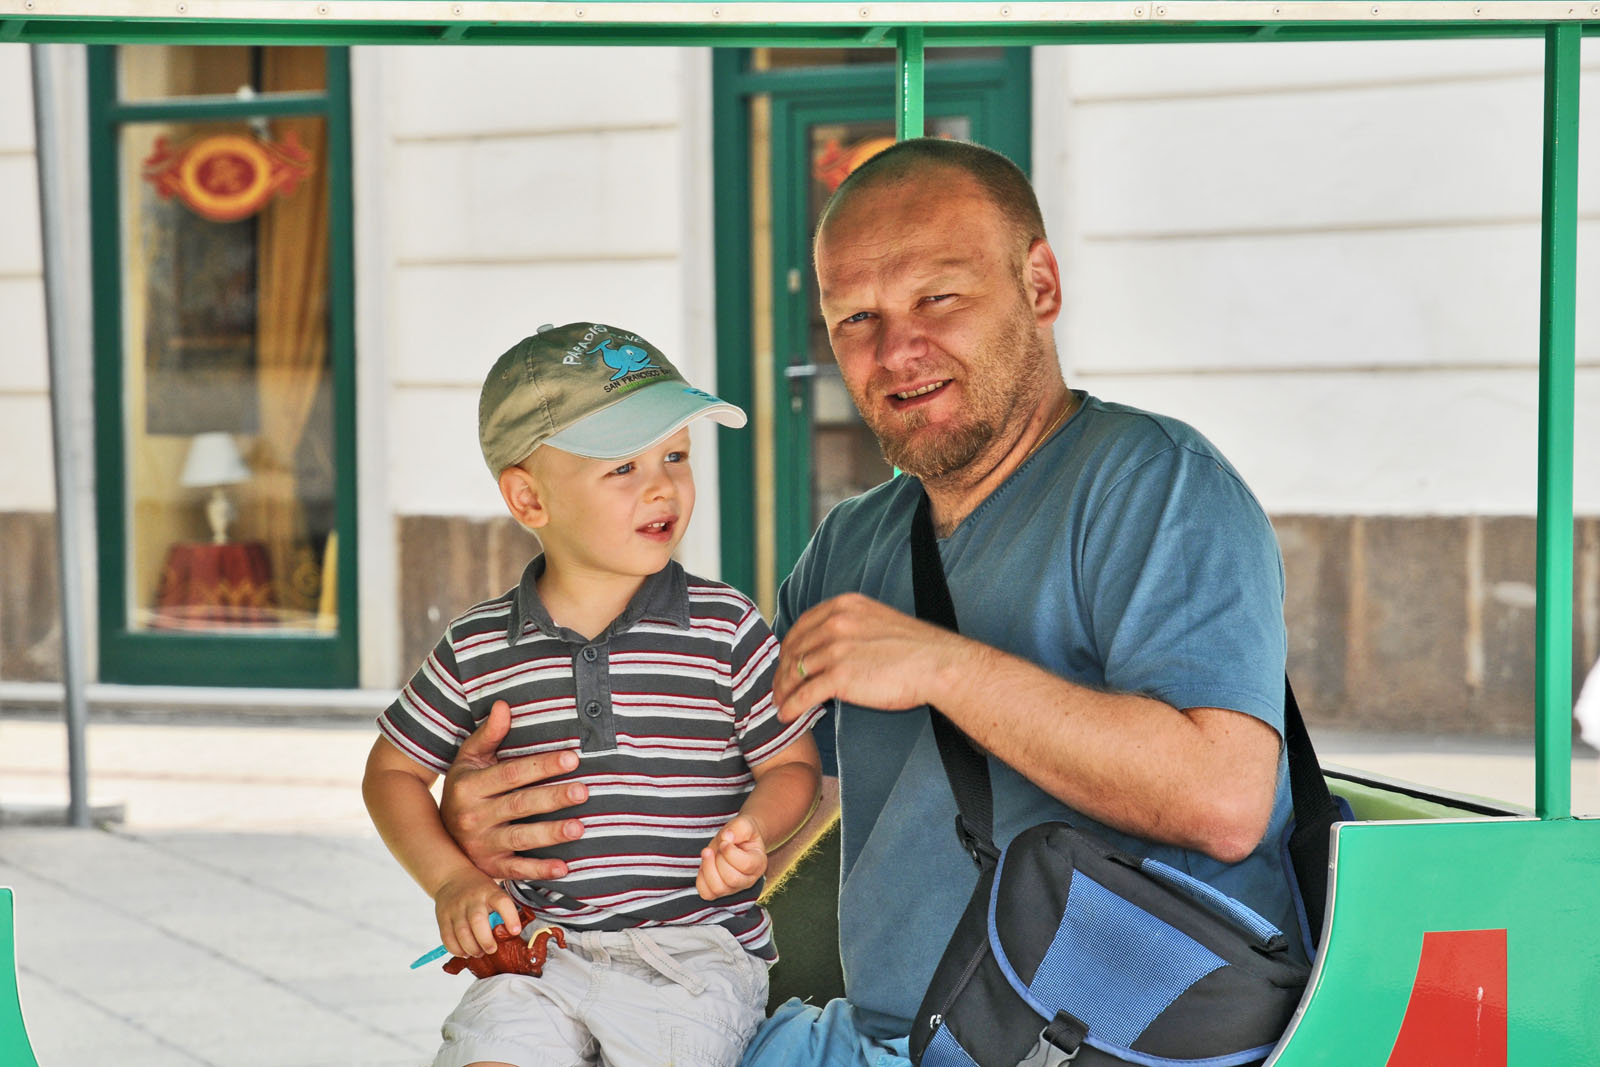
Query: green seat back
15	1049
805	923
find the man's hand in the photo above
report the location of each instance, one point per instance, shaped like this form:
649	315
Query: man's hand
734	860
483	797
861	651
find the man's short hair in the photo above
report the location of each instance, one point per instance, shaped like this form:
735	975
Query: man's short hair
1001	180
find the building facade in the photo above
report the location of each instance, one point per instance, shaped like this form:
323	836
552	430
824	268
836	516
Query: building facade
278	275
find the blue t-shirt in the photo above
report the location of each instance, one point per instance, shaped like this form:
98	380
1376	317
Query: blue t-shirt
1125	554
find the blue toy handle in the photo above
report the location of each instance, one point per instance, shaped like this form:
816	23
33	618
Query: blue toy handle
429	957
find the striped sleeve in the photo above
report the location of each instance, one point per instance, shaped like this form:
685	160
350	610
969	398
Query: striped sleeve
760	732
430	718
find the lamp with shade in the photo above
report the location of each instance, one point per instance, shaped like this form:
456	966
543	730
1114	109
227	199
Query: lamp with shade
213	463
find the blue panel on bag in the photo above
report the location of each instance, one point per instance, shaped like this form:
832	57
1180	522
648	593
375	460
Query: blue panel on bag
945	1051
1116	966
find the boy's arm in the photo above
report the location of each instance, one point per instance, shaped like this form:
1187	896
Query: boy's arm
396	790
785	794
786	791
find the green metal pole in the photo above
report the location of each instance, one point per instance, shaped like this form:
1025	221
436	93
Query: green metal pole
909	116
1557	373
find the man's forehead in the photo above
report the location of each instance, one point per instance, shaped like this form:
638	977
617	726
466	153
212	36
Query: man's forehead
902	264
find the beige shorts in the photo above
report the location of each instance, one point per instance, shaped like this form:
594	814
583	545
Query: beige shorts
630	998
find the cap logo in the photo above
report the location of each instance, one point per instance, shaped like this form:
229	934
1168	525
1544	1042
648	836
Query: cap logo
575	354
625	360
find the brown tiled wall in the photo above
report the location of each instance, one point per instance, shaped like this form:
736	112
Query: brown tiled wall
1424	624
446	566
30	592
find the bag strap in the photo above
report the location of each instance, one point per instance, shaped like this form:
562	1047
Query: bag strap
968	770
1314	815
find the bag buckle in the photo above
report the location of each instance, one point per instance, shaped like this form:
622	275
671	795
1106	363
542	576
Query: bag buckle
979	847
1066	1032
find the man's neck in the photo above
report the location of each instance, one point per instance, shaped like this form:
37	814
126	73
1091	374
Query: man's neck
958	494
584	601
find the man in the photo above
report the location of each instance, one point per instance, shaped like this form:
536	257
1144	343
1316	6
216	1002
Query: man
1119	592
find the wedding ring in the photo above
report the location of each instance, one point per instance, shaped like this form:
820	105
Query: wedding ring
800	667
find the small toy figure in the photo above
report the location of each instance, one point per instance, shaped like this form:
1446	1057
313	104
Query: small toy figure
513	955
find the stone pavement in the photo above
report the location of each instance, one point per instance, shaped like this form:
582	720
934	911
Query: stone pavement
244	913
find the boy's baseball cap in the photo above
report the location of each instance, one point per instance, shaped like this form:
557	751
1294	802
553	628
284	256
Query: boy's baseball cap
589	389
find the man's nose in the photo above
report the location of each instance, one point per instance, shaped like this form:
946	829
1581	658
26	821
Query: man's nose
901	339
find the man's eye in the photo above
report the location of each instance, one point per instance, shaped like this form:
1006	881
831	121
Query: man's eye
860	316
937	297
626	468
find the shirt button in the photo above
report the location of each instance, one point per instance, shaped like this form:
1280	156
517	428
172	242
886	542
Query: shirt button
592	709
590	654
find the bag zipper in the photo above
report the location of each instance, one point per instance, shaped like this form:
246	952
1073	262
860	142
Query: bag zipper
936	1020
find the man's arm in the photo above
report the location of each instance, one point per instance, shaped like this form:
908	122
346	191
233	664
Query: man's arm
1200	778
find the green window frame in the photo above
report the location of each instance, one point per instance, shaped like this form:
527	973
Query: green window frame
266	659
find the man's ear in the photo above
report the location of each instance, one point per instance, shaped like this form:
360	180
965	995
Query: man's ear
524	498
1041	276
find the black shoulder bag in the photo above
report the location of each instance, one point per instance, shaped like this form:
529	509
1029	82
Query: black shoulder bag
1071	951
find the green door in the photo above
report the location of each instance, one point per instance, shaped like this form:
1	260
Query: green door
804	130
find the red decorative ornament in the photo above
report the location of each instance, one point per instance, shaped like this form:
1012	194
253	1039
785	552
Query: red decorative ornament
227	176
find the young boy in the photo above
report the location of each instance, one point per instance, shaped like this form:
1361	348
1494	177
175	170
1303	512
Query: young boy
662	684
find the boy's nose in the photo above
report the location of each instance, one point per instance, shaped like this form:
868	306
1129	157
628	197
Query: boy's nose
660	486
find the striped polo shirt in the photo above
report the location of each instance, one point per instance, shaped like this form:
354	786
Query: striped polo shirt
669	708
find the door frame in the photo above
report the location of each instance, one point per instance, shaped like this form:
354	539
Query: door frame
985	88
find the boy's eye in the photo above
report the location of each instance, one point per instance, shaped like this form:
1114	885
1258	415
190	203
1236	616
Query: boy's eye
677	457
626	468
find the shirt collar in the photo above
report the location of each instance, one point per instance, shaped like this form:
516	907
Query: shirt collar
664	597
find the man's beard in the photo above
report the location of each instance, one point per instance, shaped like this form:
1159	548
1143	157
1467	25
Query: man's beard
1017	355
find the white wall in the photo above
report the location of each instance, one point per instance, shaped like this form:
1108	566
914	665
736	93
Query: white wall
532	185
1326	256
26	478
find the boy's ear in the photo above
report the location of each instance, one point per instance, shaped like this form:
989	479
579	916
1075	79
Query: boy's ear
523	497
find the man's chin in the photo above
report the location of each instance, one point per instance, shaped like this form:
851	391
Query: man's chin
930	453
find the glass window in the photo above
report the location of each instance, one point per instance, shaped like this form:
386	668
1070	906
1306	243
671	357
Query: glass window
163	72
846	459
230	486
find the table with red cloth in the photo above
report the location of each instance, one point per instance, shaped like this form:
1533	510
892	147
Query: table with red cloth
207	586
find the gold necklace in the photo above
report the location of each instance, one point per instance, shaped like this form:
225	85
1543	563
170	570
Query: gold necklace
1061	416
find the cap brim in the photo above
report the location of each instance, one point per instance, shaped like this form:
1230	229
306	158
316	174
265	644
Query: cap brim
642	420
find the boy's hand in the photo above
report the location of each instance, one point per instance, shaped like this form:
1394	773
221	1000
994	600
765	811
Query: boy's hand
735	859
462	906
